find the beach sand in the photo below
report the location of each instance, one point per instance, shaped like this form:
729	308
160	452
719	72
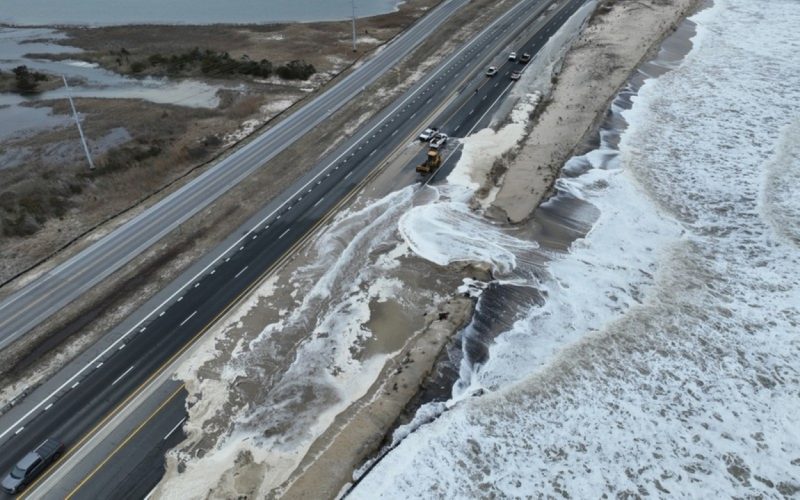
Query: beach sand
597	65
617	38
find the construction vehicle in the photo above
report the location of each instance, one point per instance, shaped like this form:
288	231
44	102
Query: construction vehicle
432	161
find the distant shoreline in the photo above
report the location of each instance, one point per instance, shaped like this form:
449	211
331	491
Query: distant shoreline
380	7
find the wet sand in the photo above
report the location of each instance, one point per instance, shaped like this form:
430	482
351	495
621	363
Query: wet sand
363	427
573	110
130	287
322	466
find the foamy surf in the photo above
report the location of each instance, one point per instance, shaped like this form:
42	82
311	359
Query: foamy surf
664	360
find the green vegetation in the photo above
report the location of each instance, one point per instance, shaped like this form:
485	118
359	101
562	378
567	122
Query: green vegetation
24	81
211	63
296	70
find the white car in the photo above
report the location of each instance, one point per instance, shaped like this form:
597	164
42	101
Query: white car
427	134
438	140
515	75
491	71
512	56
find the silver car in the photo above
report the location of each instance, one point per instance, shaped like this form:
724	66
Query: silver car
438	140
427	134
31	465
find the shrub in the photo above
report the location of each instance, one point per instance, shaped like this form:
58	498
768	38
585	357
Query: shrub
137	67
157	59
25	80
296	70
214	63
261	69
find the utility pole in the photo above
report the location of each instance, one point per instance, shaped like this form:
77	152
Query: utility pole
353	5
78	123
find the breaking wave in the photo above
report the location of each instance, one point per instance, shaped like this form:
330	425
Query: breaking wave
662	358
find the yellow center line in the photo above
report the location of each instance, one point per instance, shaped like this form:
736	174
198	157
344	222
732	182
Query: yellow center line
124	442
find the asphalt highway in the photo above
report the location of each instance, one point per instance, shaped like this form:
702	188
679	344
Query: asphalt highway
37	301
88	398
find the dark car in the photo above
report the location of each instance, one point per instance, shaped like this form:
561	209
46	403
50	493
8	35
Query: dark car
525	57
31	465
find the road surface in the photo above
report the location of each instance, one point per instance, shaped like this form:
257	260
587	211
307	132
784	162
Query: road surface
102	386
37	301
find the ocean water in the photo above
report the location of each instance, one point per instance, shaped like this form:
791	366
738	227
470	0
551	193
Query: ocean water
662	356
115	12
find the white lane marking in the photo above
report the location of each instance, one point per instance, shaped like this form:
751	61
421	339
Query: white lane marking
283	234
484	98
503	93
99	365
412	116
121	347
471	111
228	259
348	174
242	247
255	236
212	272
48	407
174	429
76	384
123	375
142	329
393	133
192	315
319	201
179	298
161	313
373	152
433	78
19	430
198	284
236	275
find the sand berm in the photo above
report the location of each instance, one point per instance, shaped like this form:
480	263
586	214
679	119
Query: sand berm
616	39
619	36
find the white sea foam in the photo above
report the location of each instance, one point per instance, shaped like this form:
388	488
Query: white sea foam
664	361
302	370
445	232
